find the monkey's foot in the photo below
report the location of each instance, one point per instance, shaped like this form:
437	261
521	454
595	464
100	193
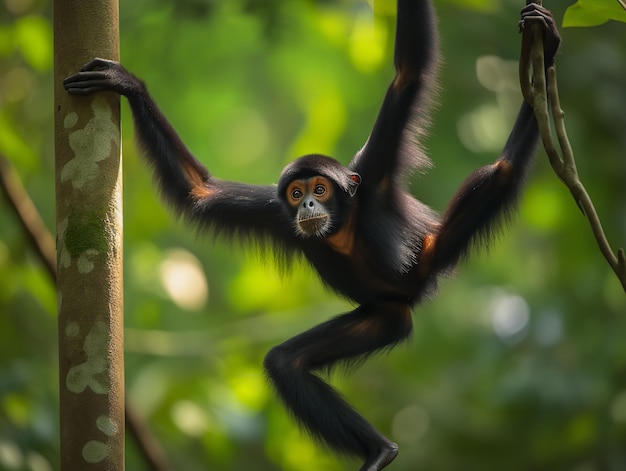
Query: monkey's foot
386	454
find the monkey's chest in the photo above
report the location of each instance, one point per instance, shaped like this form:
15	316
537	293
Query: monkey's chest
362	277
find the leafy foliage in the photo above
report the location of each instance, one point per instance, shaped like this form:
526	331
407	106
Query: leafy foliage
595	12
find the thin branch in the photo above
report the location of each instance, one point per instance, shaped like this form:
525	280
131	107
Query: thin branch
569	176
42	243
537	93
38	235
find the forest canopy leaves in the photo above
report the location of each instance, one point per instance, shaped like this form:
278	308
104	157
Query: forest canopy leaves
594	12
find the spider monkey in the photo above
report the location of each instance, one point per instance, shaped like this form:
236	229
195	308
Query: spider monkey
366	236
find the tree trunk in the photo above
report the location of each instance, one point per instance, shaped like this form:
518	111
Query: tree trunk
89	244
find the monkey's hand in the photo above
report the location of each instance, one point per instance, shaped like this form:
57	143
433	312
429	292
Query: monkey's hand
551	37
103	75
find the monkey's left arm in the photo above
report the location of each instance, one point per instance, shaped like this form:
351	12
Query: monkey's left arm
391	149
489	194
227	207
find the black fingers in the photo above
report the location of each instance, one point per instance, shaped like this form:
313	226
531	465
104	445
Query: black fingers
533	12
86	83
100	64
102	75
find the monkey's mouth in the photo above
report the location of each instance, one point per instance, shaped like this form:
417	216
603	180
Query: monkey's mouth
314	225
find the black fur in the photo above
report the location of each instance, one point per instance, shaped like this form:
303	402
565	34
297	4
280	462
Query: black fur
385	250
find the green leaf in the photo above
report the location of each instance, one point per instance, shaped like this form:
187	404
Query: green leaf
594	13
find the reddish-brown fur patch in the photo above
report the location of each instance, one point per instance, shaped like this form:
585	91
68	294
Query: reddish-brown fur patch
343	240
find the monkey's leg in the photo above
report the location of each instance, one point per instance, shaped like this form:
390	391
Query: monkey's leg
313	402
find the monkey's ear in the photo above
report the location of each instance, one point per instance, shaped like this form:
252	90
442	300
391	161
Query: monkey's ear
353	183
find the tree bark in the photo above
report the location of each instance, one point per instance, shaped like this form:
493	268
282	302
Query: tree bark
89	244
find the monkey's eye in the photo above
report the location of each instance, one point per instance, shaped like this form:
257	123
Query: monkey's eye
319	190
296	194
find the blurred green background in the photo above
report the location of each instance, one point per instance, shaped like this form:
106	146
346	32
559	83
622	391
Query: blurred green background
518	364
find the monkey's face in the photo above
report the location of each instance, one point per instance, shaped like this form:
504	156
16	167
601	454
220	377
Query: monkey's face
314	203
